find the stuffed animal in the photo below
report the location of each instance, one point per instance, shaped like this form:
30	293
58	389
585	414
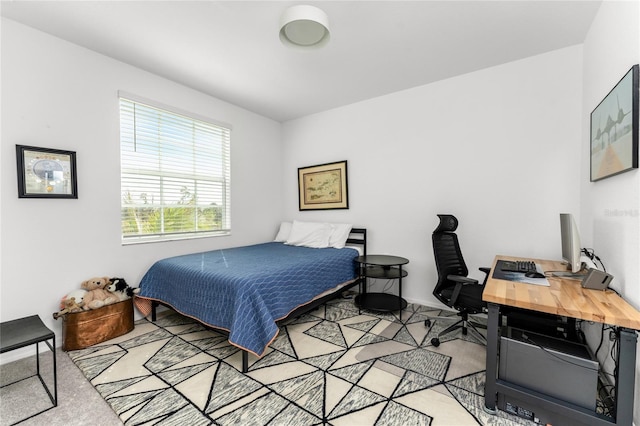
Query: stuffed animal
70	307
121	289
71	303
97	296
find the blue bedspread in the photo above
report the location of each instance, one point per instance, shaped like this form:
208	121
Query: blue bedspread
245	290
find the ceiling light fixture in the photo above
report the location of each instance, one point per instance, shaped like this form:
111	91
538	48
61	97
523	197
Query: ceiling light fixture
304	26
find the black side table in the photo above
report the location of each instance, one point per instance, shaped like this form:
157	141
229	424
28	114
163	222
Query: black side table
380	266
27	331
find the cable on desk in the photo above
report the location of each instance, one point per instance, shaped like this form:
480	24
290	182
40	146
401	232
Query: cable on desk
604	405
614	290
606	391
579	333
615	348
601	340
591	254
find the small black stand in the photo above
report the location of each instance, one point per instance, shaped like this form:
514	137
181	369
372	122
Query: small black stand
379	266
27	331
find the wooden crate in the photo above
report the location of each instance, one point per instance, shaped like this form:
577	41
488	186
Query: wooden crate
84	329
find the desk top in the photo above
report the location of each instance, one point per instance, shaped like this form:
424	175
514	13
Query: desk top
564	297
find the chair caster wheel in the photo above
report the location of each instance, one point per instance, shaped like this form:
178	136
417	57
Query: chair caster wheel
427	323
435	342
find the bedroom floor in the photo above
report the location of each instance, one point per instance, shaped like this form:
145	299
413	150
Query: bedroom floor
333	366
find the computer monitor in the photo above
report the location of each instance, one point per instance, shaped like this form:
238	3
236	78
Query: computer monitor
570	242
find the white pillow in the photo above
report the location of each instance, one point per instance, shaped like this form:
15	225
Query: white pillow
339	234
309	234
283	233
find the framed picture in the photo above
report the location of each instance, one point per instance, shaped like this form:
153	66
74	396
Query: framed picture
323	186
46	173
614	129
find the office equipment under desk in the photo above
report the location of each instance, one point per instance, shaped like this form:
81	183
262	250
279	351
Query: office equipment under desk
553	366
566	298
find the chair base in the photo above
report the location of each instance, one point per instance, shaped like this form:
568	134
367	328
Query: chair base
463	324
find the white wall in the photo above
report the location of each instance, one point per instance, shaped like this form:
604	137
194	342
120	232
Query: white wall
58	95
453	147
611	207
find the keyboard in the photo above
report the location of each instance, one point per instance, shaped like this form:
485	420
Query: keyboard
518	266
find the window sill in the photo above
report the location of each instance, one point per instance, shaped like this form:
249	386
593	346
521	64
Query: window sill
165	238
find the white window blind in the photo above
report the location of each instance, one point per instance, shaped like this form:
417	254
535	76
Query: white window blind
175	174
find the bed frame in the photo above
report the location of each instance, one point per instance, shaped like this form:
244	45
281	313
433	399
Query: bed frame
357	237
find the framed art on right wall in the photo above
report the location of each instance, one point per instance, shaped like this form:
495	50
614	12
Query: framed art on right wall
614	129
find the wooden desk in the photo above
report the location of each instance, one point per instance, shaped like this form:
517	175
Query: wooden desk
564	297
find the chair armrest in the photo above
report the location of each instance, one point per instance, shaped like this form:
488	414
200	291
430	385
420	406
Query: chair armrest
485	270
462	280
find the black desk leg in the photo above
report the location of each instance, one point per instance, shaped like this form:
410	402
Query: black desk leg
490	390
625	381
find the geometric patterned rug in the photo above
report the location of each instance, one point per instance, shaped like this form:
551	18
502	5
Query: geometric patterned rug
332	366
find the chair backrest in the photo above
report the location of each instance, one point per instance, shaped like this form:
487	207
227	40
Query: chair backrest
447	253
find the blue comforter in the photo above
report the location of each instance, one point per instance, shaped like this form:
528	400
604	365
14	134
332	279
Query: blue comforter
245	290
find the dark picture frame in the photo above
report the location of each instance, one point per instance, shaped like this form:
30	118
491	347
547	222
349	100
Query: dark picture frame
46	172
323	187
614	129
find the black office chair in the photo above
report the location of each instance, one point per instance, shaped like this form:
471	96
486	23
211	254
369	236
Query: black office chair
454	288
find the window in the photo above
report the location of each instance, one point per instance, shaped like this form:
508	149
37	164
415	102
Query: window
175	174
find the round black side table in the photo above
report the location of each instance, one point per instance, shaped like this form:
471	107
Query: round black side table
381	266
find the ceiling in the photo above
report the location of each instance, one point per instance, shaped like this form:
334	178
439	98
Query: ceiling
231	49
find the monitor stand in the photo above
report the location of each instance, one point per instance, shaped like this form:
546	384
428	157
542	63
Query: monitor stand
569	275
586	263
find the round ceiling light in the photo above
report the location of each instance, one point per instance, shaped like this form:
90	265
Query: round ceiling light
304	26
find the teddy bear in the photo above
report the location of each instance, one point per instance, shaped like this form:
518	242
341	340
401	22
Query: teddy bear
71	303
121	289
70	306
97	296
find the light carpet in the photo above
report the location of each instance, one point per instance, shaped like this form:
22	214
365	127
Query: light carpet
332	366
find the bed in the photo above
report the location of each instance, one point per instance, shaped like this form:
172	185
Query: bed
246	291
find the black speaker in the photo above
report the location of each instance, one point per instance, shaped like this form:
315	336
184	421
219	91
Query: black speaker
597	279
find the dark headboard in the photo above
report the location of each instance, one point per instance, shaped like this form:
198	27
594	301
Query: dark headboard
358	236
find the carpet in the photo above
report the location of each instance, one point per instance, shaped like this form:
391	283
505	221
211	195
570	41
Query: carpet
22	395
332	366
